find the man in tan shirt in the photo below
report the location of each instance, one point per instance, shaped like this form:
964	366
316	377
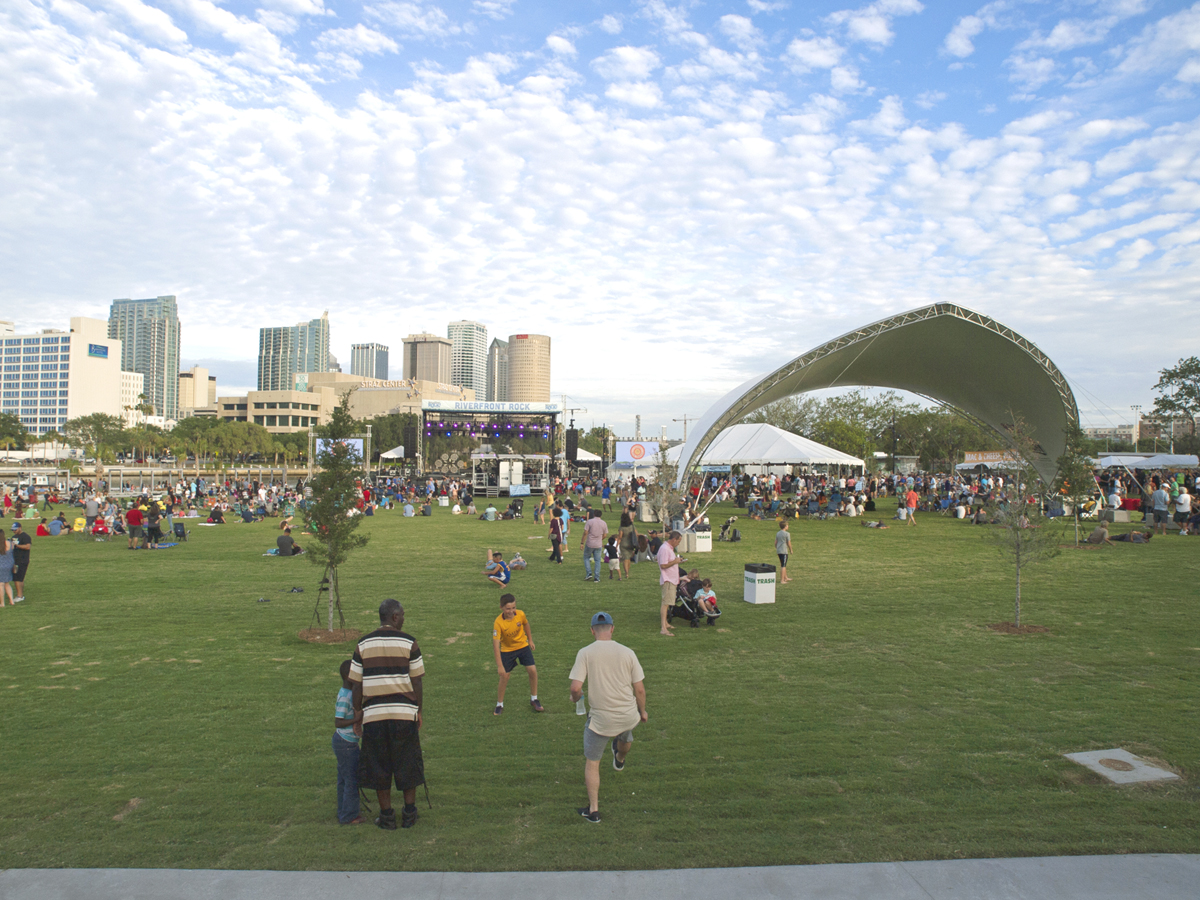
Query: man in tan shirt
617	700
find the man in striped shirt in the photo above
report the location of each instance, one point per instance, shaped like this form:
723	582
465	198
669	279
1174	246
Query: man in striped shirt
387	671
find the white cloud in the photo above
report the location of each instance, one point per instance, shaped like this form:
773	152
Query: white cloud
560	45
1030	72
844	79
493	9
805	54
413	19
610	24
959	41
760	6
929	99
627	63
741	31
643	94
873	23
356	41
502	186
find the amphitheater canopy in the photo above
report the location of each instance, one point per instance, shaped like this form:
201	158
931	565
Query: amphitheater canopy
954	356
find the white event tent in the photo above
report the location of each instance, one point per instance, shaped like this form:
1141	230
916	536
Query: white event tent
1158	461
766	445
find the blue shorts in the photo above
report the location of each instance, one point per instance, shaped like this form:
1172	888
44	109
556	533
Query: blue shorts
510	658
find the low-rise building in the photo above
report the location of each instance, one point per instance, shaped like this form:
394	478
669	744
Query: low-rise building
53	376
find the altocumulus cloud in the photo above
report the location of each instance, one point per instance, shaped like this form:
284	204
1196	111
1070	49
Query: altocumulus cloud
642	187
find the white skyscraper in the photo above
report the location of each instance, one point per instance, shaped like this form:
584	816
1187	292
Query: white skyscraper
468	355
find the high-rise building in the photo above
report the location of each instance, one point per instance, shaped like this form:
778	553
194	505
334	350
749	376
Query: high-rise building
469	353
427	358
528	368
149	334
197	390
287	350
53	376
497	371
369	361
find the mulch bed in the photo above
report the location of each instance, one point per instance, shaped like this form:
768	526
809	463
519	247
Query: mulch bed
325	636
1010	628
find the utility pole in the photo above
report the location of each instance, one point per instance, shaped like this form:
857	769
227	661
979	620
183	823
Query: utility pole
686	418
1137	425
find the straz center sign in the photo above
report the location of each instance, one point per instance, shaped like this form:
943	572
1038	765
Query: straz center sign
637	452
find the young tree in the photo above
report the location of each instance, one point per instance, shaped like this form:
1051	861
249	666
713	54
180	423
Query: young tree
1179	389
1076	479
335	493
660	492
1021	532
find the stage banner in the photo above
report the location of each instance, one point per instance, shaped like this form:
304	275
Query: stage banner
990	457
490	406
355	445
518	490
640	453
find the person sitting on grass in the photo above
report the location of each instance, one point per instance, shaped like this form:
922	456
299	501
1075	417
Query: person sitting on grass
489	514
215	515
286	545
875	524
42	529
1099	535
495	570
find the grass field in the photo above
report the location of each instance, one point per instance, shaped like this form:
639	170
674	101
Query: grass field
157	715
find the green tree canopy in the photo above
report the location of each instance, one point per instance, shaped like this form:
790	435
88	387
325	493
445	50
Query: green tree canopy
1179	392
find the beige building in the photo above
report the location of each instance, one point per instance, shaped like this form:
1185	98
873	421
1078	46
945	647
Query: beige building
427	357
197	390
133	395
53	375
317	393
528	368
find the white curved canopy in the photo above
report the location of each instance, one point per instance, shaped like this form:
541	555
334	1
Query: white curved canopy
952	355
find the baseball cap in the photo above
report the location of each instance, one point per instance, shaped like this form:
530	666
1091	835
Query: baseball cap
16	525
601	618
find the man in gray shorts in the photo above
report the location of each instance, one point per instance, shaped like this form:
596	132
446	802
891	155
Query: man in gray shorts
617	697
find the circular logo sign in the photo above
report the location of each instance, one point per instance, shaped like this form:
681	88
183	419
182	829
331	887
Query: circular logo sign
637	451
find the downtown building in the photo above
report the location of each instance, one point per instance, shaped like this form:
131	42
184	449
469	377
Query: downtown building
287	351
149	334
369	361
53	376
497	371
528	368
468	355
427	357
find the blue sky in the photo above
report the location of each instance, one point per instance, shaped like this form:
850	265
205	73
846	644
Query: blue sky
681	195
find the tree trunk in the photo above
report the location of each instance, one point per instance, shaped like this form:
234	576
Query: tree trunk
1017	615
1077	526
332	594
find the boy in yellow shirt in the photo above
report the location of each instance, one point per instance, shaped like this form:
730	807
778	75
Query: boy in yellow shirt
512	642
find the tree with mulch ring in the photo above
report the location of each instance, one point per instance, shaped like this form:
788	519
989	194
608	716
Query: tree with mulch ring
1021	532
331	517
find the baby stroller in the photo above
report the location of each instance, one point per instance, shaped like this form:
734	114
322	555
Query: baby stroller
689	610
516	507
728	532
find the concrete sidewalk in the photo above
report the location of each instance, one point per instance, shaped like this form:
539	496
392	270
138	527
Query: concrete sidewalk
1143	877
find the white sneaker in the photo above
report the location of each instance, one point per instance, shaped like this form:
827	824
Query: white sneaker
18	599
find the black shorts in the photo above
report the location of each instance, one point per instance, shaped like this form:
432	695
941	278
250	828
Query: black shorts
782	559
391	751
510	658
19	570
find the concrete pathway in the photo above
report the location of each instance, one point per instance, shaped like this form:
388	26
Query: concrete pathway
1142	877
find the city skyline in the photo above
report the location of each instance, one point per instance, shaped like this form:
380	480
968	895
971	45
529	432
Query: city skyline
700	192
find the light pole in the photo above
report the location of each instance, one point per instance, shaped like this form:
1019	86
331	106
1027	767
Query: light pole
1137	425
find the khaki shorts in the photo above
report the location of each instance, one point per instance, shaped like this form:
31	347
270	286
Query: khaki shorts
668	593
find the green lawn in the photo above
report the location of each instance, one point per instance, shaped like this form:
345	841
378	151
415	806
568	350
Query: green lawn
869	715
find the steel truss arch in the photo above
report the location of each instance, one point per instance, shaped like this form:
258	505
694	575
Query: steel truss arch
954	356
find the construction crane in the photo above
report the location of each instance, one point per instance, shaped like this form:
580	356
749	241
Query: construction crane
686	418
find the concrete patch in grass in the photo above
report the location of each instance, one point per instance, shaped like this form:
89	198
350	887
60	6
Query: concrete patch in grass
1120	766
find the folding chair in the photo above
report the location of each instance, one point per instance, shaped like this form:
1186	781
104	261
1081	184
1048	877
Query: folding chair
180	531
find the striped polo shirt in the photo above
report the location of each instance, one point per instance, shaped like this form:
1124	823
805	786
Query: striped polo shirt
386	661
